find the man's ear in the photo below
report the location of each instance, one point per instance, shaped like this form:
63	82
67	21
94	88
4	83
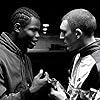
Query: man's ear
17	27
78	33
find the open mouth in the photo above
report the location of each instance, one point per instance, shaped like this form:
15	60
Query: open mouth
33	42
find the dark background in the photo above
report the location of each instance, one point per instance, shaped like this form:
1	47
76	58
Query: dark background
50	11
49	53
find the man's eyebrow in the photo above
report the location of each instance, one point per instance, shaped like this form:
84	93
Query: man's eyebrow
34	28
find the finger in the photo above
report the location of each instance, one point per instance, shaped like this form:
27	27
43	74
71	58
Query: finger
46	75
53	92
59	86
54	79
40	73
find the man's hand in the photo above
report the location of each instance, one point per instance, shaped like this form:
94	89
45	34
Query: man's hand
38	81
59	93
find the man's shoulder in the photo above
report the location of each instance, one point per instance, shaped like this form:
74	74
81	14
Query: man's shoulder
2	50
96	56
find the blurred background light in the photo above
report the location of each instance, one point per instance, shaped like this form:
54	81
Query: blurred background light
45	29
44	32
45	25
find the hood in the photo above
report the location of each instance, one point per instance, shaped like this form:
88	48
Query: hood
7	42
89	49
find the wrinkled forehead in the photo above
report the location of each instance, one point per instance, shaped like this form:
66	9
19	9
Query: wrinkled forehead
64	25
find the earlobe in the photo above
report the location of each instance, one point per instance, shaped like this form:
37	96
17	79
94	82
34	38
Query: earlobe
17	27
78	33
78	37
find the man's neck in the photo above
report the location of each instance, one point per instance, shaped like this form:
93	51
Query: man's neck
17	42
88	41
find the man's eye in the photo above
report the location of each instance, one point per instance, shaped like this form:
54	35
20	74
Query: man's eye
34	30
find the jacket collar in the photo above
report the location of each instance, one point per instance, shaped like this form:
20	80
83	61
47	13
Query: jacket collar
8	43
89	49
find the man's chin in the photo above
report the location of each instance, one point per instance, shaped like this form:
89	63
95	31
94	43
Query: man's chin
68	49
31	46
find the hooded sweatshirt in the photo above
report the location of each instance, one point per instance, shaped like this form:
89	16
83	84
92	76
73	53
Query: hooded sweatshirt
85	73
15	70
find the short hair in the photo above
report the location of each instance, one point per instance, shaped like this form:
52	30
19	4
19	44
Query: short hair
23	15
83	19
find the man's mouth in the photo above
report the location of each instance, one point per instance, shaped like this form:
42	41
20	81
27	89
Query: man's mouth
33	42
66	44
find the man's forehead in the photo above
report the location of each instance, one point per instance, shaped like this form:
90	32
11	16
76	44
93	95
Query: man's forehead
34	22
64	24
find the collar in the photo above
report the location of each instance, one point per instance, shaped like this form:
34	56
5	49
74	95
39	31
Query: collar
8	43
89	49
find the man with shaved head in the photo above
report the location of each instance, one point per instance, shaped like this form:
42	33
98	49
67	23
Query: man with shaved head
78	29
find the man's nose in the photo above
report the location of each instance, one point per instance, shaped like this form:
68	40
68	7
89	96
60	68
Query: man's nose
37	35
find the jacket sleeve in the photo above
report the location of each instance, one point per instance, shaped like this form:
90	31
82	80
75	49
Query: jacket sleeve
3	89
23	95
5	95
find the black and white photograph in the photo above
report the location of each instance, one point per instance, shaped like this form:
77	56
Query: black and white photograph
49	50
